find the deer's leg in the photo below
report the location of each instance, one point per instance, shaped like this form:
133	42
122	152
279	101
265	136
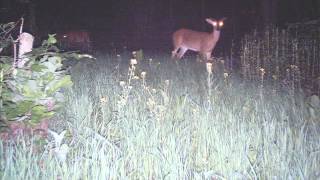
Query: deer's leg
181	52
174	52
207	56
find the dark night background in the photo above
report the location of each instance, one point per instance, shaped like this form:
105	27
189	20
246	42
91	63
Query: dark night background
148	24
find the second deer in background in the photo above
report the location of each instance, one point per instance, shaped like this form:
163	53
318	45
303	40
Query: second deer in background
202	42
75	40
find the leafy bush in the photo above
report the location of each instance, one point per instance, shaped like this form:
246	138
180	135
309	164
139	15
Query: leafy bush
34	92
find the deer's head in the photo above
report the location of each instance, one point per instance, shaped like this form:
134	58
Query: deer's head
217	24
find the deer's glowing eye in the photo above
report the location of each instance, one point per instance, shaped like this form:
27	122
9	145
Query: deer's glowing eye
214	23
64	36
220	23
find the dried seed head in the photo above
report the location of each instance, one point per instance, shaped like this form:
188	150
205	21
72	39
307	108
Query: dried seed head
262	71
143	75
225	75
153	90
292	66
151	103
103	100
275	77
133	61
122	83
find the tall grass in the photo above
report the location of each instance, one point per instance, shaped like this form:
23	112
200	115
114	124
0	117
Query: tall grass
289	56
172	124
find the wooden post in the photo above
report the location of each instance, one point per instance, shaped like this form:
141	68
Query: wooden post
25	46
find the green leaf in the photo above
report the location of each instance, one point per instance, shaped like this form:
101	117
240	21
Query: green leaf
13	110
6	93
52	39
48	77
38	67
23	73
24	106
39	113
5	68
56	85
50	66
56	60
32	90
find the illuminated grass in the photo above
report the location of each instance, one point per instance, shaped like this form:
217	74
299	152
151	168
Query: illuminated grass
170	128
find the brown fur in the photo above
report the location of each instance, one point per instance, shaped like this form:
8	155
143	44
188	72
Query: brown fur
202	42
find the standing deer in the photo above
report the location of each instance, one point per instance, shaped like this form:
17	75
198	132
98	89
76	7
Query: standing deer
202	42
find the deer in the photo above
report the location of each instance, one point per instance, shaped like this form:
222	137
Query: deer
76	39
202	42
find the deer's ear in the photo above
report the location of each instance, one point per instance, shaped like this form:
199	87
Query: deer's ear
210	20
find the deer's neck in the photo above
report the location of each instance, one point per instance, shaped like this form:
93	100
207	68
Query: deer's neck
216	35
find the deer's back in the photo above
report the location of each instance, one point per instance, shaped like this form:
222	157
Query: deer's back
192	39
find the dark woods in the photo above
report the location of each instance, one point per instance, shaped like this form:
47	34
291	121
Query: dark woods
150	23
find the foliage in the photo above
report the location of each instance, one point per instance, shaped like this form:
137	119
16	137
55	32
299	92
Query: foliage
164	125
34	92
286	56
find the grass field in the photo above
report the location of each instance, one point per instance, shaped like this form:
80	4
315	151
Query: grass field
159	119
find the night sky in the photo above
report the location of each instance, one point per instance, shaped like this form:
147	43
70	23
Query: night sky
150	23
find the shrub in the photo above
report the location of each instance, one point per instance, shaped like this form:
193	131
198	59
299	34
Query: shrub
33	92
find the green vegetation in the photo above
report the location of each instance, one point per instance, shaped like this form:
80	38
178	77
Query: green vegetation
32	93
289	56
165	126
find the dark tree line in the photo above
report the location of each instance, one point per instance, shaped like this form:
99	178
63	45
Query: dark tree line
12	10
140	22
